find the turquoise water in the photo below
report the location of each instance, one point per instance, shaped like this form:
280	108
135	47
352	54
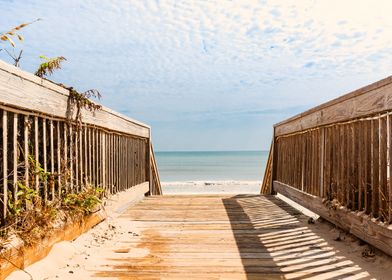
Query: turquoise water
214	166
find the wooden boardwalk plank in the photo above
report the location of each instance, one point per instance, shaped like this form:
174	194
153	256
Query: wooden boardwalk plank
222	237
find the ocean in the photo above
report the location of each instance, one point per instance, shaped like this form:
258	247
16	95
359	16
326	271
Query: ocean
211	166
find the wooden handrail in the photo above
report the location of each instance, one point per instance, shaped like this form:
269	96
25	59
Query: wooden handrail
266	186
156	182
340	153
39	135
367	101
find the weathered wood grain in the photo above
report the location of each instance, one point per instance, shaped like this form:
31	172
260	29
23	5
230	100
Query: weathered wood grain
363	226
5	164
51	99
368	100
221	237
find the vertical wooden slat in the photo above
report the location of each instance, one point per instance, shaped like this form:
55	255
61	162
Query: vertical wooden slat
97	153
76	160
322	159
359	157
66	163
318	162
383	193
389	204
71	157
110	155
94	158
368	167
375	167
15	155
104	184
356	165
109	161
85	161
36	151
59	178
390	168
26	151
80	136
352	186
336	162
89	156
327	161
345	163
339	169
117	164
45	159
132	162
5	163
113	164
303	161
120	173
127	161
52	160
112	168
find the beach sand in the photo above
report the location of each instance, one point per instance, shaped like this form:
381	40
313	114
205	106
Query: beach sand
92	250
211	187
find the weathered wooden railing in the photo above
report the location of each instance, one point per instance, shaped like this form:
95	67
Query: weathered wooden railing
336	159
41	147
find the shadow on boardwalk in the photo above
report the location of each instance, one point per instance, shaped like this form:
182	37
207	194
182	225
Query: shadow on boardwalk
198	237
285	244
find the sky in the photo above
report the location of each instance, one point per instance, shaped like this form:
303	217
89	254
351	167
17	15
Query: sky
208	75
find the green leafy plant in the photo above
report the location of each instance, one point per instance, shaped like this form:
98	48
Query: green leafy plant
84	202
24	196
37	169
49	65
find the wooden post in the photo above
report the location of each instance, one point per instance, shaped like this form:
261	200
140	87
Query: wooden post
273	163
15	155
45	159
5	163
66	166
52	159
26	150
59	159
148	162
80	141
76	147
103	136
36	151
322	152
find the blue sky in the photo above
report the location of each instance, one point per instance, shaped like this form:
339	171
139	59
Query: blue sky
209	75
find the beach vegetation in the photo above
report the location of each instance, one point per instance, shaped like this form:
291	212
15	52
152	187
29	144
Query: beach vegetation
49	65
12	36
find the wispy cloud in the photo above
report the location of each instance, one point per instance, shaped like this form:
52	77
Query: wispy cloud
166	61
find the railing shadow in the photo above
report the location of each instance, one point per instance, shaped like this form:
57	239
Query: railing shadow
272	238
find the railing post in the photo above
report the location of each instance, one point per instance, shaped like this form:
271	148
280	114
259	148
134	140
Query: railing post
322	148
5	166
273	162
149	167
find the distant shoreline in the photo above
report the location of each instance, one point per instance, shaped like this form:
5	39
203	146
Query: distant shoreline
211	187
211	151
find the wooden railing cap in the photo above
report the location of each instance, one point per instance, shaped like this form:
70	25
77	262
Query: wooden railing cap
58	88
368	100
352	94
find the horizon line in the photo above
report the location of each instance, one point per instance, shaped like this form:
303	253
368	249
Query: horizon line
187	151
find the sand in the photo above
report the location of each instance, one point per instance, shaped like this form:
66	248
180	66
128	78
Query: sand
211	187
91	251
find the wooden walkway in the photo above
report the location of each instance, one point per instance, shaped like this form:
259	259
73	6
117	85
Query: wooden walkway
224	237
